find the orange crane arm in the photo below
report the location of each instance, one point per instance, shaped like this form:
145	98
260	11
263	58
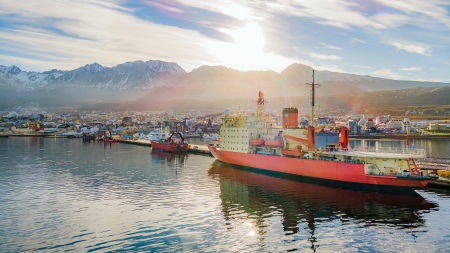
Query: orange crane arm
309	142
302	141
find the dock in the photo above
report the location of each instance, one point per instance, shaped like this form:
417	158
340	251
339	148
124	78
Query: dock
194	148
202	149
440	182
135	142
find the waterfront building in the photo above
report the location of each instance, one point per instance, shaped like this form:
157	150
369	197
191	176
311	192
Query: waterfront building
419	123
362	121
406	127
439	127
394	124
323	121
353	127
370	125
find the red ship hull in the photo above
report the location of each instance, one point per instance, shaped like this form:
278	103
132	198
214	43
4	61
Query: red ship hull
169	146
328	170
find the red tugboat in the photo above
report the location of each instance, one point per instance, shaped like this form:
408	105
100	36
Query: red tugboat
109	139
174	143
293	150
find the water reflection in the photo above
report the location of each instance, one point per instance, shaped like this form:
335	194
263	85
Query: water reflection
173	159
302	204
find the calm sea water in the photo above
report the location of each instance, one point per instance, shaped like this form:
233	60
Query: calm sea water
59	195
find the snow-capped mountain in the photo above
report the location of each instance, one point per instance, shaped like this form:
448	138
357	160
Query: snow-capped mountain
139	74
20	80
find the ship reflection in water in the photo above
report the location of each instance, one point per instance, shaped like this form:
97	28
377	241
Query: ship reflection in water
170	158
303	205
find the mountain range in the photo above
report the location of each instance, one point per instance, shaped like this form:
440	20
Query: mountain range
154	83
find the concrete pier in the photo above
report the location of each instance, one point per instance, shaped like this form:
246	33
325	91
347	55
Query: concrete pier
194	148
135	142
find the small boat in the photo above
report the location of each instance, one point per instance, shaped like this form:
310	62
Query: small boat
108	139
257	142
174	143
274	143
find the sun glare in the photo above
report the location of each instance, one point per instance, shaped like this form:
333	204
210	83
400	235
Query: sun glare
249	39
247	51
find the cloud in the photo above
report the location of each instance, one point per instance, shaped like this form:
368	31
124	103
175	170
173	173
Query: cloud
236	9
412	69
392	20
325	57
357	40
329	46
89	31
412	48
336	13
431	10
332	68
386	73
167	6
101	31
362	67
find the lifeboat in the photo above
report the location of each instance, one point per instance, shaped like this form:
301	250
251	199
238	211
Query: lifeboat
257	142
274	143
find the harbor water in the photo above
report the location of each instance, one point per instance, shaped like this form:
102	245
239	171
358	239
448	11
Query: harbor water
60	195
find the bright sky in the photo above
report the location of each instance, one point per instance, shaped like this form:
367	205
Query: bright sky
397	39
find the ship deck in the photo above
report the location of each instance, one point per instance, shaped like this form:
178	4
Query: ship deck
384	152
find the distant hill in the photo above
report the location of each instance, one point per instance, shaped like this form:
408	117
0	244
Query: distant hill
152	84
421	96
381	102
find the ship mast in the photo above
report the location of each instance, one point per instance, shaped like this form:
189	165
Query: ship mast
313	87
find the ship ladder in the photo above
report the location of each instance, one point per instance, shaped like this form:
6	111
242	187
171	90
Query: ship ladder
413	168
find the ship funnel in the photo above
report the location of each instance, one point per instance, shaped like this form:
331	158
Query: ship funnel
343	137
290	117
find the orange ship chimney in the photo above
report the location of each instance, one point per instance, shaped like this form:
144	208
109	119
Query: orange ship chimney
290	117
343	137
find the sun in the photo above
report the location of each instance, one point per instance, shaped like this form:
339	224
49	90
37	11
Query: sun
247	51
249	40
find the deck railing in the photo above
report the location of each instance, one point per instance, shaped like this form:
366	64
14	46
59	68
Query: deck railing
379	151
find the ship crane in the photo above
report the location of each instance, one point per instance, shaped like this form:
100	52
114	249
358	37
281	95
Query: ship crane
260	104
307	142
